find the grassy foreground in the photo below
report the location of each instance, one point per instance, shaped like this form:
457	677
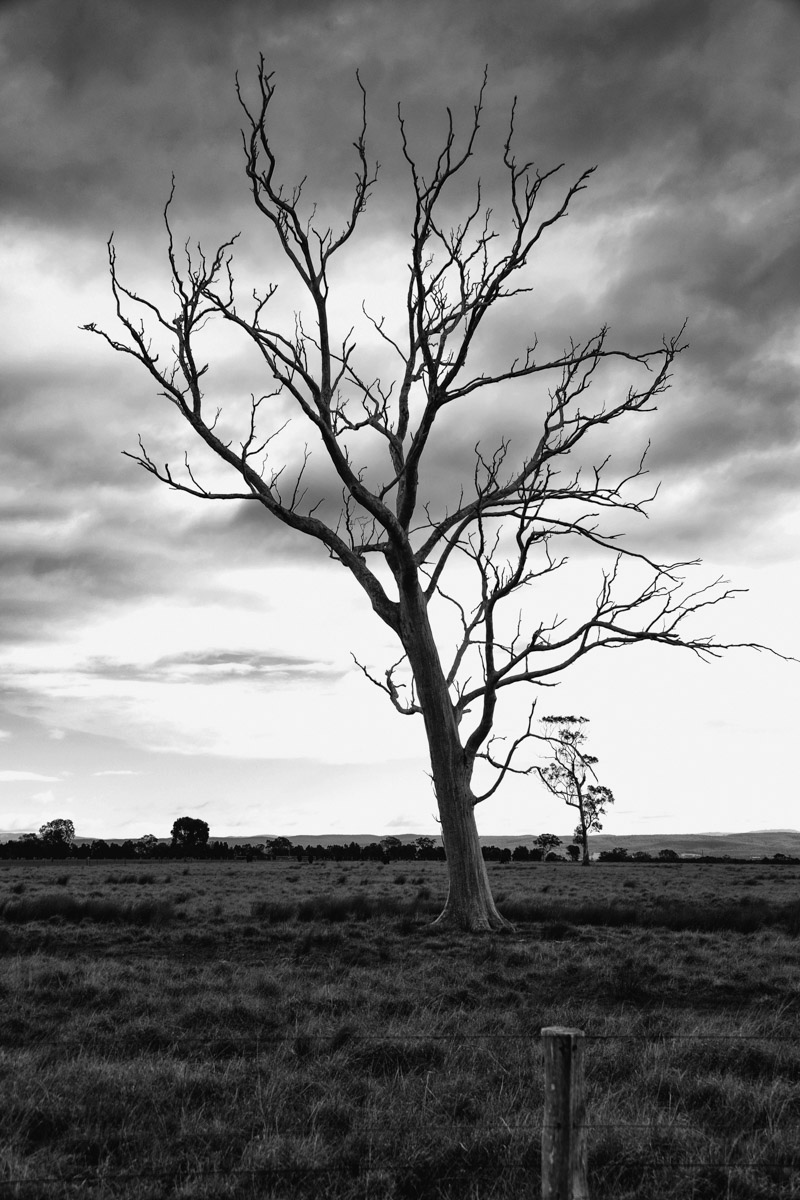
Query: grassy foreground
277	1030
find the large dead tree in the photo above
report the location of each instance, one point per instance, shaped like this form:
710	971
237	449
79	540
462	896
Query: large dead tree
515	507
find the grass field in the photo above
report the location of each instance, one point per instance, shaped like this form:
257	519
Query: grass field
284	1030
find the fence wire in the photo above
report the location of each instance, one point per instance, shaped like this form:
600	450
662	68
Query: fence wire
177	1035
789	1172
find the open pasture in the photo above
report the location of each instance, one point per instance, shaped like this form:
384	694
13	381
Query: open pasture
283	1029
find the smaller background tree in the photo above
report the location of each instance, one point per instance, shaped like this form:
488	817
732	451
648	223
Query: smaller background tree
189	835
146	845
596	800
616	854
391	847
567	776
58	836
547	842
281	847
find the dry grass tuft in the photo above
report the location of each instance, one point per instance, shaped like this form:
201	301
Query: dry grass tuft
55	906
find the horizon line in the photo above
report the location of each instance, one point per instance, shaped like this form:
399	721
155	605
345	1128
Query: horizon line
12	835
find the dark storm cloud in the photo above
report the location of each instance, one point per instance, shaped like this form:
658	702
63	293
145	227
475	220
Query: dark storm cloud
83	530
56	580
57	426
594	80
661	96
215	666
105	96
108	97
93	120
688	106
106	549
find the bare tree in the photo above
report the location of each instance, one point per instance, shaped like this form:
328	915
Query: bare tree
567	775
397	538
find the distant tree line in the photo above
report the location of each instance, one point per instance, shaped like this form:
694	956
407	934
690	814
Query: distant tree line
619	854
190	839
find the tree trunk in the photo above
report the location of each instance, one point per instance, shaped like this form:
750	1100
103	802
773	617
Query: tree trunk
469	905
585	860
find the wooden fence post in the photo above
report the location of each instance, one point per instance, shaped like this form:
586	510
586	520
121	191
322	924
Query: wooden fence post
563	1126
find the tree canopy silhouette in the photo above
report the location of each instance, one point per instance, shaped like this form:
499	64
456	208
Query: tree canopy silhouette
189	834
58	833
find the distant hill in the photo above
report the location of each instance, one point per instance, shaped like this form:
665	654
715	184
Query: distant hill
757	843
753	844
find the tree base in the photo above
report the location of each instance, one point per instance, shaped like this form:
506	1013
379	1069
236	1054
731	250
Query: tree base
472	922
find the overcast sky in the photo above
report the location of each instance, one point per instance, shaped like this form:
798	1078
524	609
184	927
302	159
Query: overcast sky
163	656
